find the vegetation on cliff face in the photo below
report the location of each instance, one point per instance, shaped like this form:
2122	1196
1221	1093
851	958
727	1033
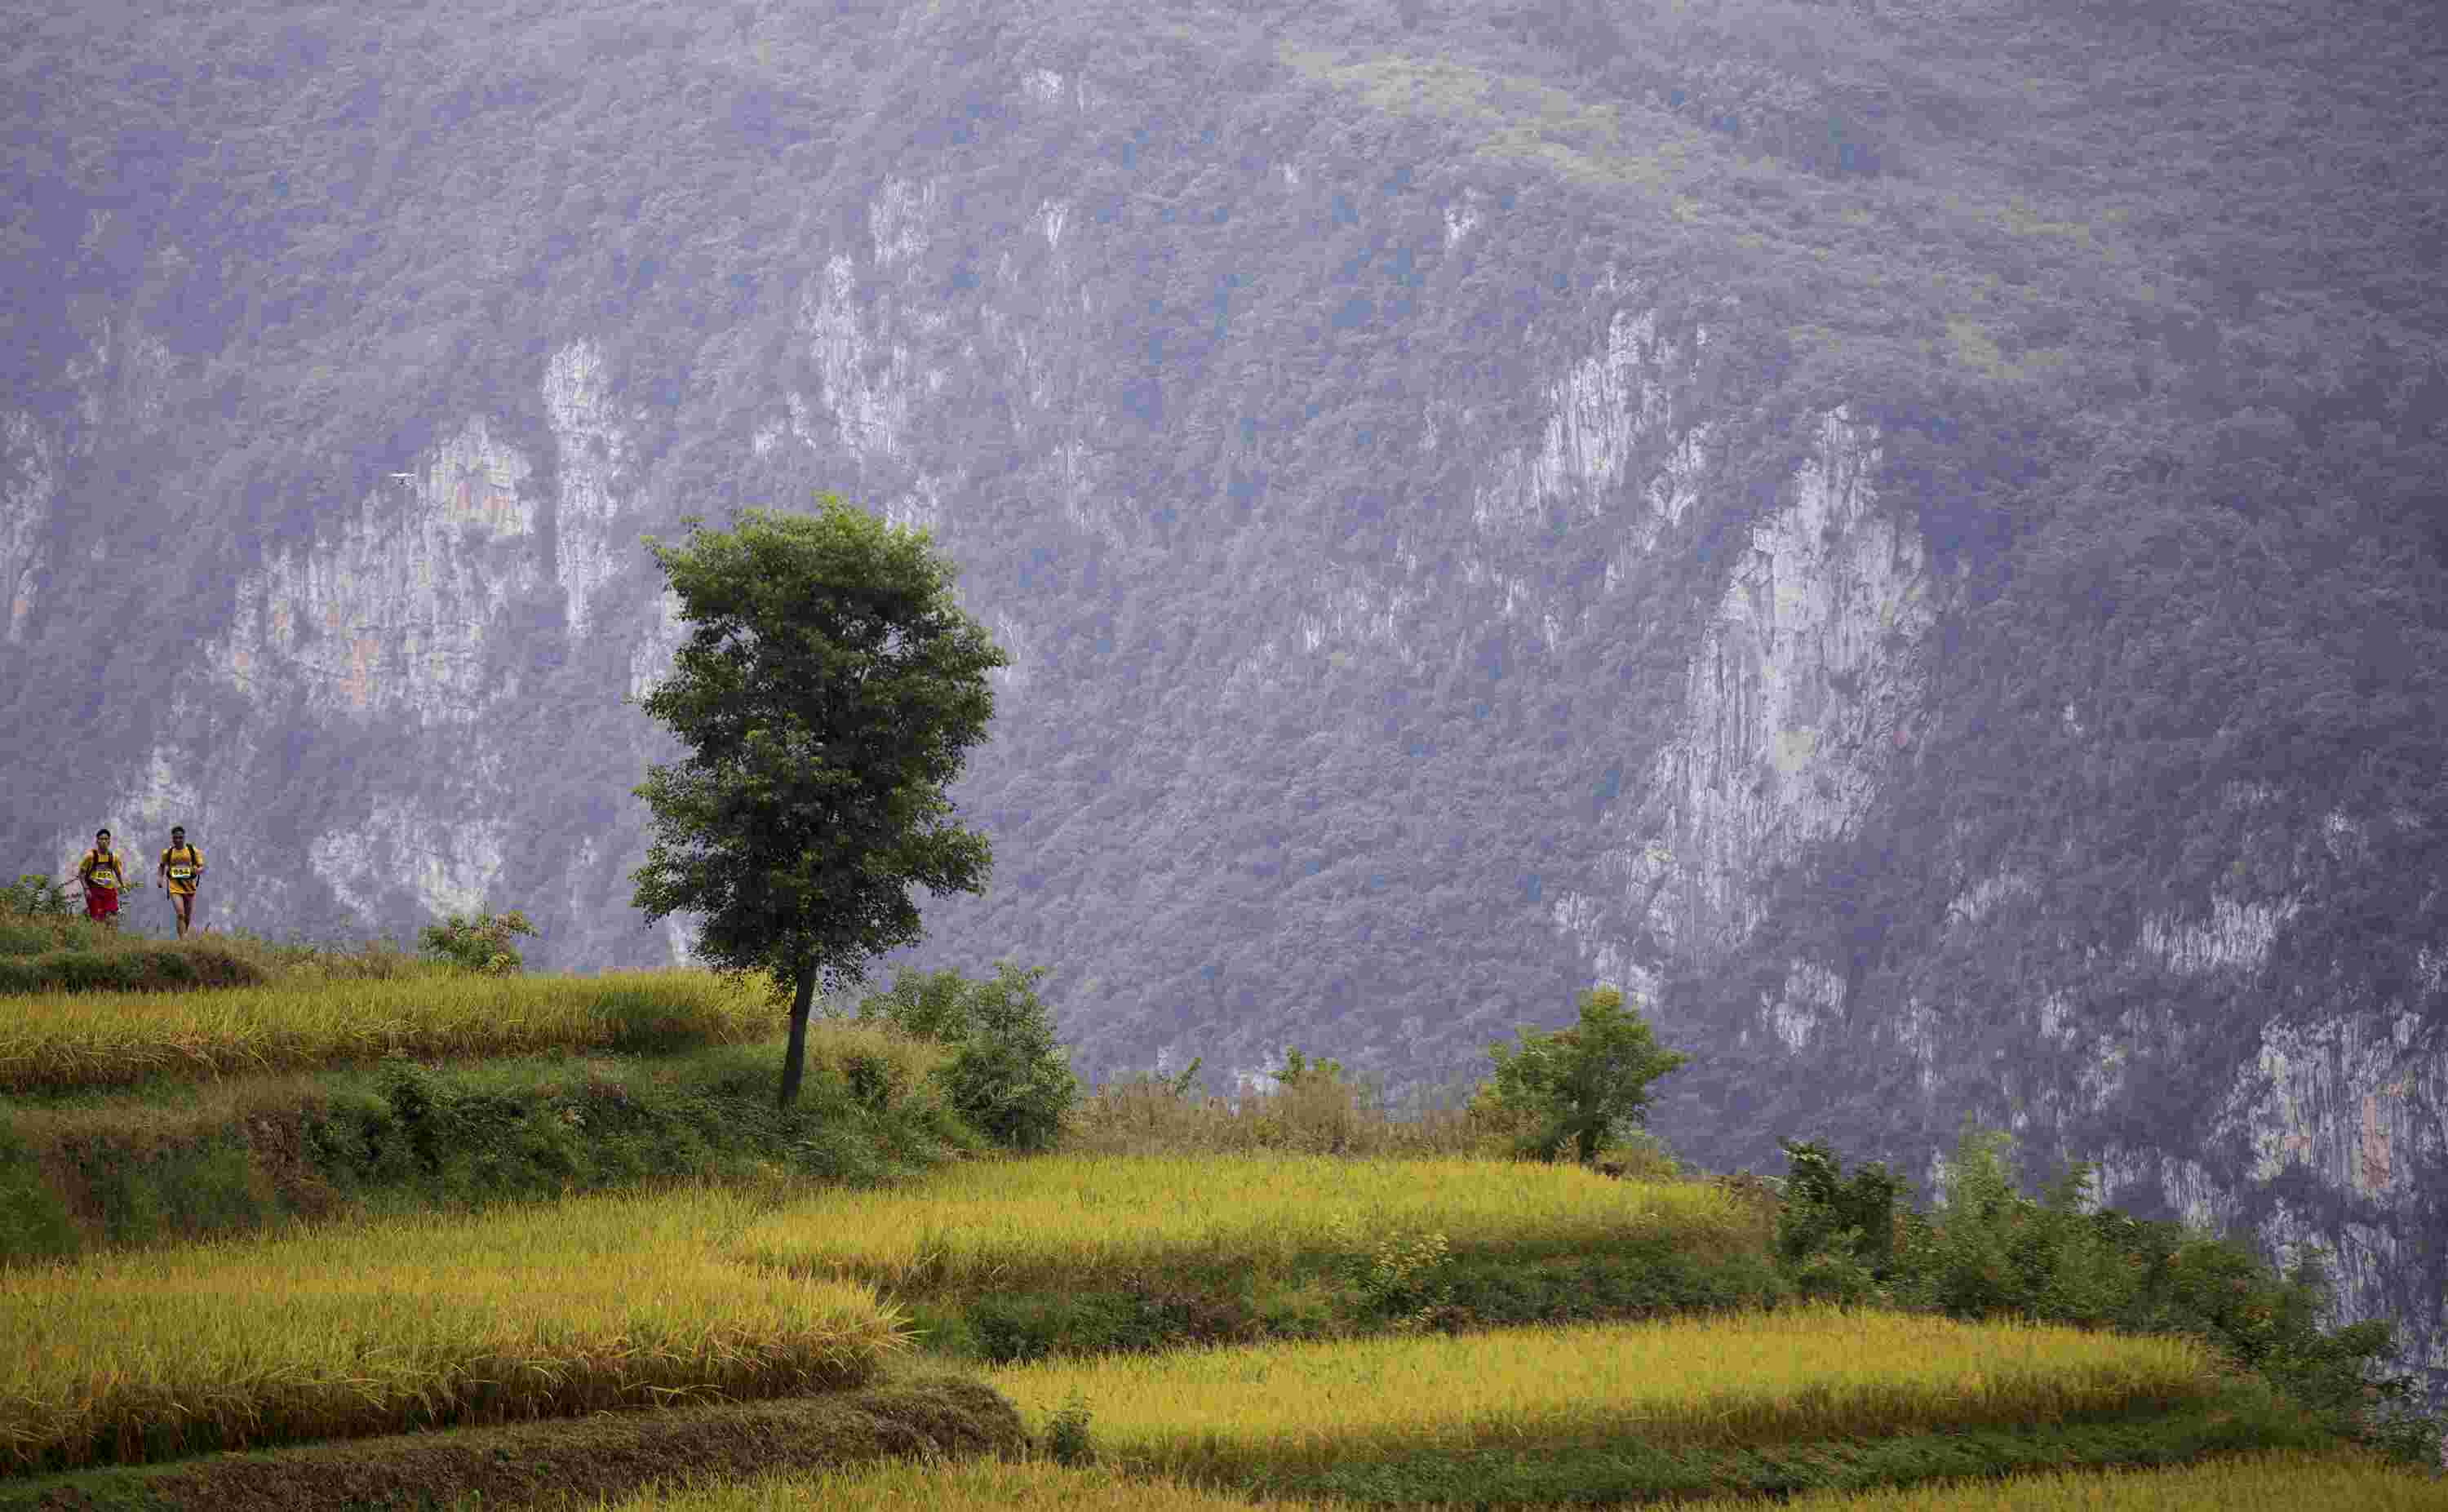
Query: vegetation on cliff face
1297	388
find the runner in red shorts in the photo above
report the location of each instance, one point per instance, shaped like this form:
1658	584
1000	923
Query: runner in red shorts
100	871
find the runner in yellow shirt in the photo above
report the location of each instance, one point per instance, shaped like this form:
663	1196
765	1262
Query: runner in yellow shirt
182	866
101	875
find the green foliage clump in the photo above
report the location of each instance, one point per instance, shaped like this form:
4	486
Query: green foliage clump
1837	1237
1580	1087
483	944
1299	1070
1987	1250
1067	1433
1403	1279
35	896
1008	1076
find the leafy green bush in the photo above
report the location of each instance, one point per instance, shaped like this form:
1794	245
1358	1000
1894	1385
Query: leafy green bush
1837	1238
1008	1076
482	943
1987	1250
1579	1087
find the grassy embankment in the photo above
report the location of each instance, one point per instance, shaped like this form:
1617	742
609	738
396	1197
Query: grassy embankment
348	1081
65	953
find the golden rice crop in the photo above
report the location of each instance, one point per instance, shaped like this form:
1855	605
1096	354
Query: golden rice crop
55	1041
2248	1483
1728	1381
1055	1217
2256	1482
541	1312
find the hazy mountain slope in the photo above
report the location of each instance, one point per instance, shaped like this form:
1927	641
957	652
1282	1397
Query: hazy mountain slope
1913	533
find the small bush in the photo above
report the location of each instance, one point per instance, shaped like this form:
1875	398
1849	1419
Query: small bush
483	944
1837	1237
1067	1433
1008	1076
1398	1279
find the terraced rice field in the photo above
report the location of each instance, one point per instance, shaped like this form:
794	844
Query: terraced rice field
1052	1220
57	1042
1240	1415
551	1311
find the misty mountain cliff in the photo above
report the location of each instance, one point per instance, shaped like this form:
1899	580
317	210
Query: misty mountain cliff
1911	534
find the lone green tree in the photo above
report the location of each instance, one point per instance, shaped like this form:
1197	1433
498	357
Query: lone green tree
828	691
1578	1086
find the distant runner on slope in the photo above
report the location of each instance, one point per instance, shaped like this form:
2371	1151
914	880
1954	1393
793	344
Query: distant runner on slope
182	866
100	873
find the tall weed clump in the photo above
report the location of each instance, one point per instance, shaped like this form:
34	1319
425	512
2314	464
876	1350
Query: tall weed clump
486	942
1311	1107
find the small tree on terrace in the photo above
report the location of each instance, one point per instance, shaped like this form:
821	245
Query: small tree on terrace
828	692
1577	1086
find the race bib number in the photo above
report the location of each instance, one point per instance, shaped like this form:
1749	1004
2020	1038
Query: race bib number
106	879
181	874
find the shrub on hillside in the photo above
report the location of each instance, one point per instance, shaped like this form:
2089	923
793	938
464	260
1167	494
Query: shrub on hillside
35	894
1008	1076
483	944
1987	1250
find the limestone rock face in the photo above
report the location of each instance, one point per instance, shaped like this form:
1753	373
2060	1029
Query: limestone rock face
28	497
1471	515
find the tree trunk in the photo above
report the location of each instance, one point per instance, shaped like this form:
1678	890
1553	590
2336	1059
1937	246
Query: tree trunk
794	1055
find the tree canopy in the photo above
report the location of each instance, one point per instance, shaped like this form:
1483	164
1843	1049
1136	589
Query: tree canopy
828	691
